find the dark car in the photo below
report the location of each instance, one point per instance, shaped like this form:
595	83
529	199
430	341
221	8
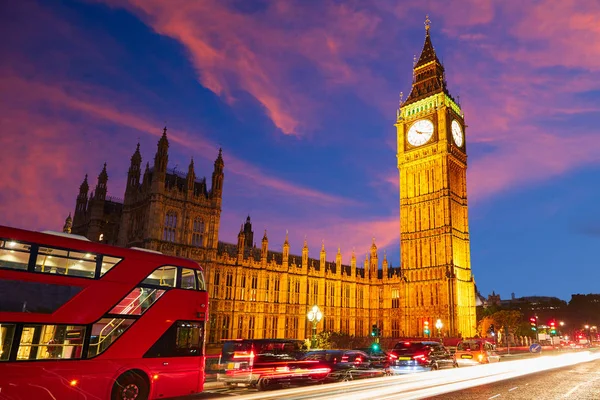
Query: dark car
419	356
266	363
378	357
344	365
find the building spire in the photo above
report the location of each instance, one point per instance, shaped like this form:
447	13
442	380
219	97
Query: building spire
68	224
428	72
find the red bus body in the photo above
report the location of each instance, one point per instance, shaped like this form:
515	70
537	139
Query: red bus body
103	332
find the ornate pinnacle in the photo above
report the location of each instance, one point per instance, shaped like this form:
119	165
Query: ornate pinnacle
427	23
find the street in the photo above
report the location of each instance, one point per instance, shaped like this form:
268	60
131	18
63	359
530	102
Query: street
579	382
563	376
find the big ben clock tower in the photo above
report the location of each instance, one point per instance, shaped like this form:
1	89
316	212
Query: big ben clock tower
434	228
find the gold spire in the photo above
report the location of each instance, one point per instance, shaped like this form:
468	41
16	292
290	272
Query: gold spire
427	23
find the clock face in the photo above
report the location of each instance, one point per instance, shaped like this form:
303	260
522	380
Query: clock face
457	133
420	132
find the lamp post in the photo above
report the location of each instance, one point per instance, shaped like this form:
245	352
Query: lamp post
314	316
439	325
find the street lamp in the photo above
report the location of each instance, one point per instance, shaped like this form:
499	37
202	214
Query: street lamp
439	325
314	316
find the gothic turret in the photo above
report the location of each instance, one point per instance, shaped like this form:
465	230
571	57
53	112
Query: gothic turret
241	245
322	256
146	180
68	224
162	154
305	254
353	264
338	262
96	208
286	251
373	261
191	177
248	234
101	185
384	265
81	203
264	248
217	179
135	170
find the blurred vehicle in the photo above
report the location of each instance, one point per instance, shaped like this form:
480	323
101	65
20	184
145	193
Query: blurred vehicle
475	351
266	363
344	365
419	356
378	357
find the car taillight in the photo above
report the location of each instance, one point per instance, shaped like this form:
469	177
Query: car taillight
393	357
420	357
358	360
282	369
320	371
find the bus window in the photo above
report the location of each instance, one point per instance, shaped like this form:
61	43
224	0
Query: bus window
107	264
14	255
183	338
57	261
188	279
163	276
42	342
105	332
34	297
7	331
137	301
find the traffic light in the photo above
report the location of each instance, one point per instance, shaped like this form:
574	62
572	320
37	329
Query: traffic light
374	331
375	347
426	328
492	330
533	323
553	328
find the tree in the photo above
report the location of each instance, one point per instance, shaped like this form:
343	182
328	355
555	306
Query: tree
512	319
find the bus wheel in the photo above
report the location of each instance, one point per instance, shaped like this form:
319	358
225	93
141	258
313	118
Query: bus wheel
130	386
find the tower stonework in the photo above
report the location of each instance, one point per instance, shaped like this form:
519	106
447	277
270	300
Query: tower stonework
434	229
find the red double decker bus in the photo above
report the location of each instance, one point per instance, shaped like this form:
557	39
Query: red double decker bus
82	320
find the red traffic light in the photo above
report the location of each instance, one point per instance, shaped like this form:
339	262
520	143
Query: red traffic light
552	323
532	319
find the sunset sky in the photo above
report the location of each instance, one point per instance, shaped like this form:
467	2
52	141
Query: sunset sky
302	97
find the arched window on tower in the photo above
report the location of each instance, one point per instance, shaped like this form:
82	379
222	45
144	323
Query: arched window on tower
198	232
170	226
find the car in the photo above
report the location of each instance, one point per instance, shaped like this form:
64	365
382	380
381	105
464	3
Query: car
266	364
475	351
378	357
344	365
419	356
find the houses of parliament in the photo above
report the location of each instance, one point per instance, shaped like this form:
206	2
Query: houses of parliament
260	292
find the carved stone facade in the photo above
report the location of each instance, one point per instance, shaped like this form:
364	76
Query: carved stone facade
434	229
165	210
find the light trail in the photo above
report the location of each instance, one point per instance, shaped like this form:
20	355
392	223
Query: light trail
426	384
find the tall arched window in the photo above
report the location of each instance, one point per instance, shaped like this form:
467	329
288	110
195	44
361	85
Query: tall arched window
170	226
198	232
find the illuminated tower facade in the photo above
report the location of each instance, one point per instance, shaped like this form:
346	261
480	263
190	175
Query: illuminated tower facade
434	228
